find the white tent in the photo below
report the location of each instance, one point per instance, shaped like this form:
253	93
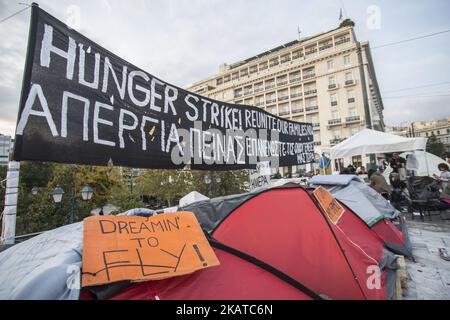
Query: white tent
427	162
369	141
192	197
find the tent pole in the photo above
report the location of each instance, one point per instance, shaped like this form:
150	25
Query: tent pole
426	163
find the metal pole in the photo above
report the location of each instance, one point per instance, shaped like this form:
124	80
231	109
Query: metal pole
10	210
72	206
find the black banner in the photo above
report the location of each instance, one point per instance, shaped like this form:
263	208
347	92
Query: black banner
82	104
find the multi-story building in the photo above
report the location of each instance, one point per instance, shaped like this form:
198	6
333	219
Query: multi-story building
328	80
5	148
439	128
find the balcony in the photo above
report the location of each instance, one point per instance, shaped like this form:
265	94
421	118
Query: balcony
270	86
333	103
342	41
246	93
312	108
282	83
335	141
325	47
334	122
316	126
310	92
296	55
274	63
349	82
351	100
296	95
282	98
259	89
238	95
309	76
298	110
295	79
259	103
311	51
352	119
283	113
269	101
317	143
332	86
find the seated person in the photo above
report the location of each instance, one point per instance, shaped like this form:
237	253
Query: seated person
378	182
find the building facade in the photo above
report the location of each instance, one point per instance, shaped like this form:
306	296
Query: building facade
328	80
5	149
439	128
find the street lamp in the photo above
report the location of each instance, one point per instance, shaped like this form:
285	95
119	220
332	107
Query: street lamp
57	194
209	181
86	193
34	190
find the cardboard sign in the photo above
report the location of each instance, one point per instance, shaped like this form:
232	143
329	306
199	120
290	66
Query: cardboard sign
117	248
260	177
328	203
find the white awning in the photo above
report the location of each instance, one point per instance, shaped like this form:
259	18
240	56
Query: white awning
370	141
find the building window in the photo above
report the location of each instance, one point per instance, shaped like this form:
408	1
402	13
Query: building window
296	54
274	62
294	77
283	109
352	112
263	66
337	134
347	60
335	115
332	81
311	102
330	64
348	76
219	81
333	99
270	84
351	95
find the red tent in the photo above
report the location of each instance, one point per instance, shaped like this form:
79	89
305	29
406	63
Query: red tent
279	244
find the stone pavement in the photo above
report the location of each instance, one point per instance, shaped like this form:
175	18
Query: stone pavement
429	276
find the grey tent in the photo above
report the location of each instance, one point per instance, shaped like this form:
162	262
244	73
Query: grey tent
47	267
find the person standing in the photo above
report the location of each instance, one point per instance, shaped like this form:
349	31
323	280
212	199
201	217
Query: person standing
444	177
398	165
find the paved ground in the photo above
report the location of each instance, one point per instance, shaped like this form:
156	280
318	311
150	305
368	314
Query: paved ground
429	276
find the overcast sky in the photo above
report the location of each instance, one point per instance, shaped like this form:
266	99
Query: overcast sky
185	41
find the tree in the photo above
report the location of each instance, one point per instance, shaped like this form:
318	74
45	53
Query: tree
435	147
166	185
347	23
222	183
39	212
170	185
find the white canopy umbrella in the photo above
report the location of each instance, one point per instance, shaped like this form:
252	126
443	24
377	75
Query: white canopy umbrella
369	141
